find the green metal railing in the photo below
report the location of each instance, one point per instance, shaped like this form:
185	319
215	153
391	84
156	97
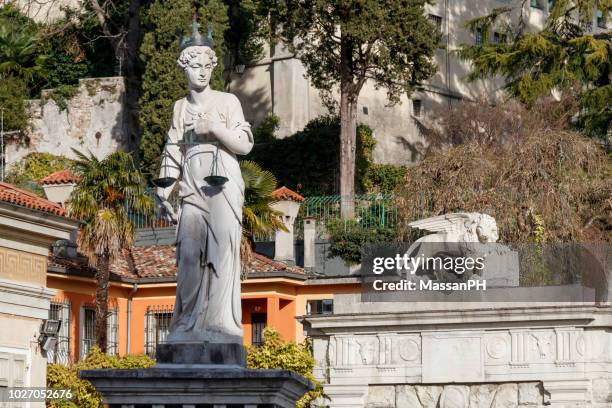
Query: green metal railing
370	211
156	220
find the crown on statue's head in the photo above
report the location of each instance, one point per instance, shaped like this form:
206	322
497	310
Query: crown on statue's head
196	38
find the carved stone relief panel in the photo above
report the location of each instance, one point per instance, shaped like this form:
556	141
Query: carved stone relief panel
453	357
408	350
570	345
497	346
542	345
353	350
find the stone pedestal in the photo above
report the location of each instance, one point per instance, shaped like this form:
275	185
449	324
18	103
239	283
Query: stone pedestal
229	354
198	375
197	386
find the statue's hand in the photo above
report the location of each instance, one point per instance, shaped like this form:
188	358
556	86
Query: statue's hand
168	212
204	127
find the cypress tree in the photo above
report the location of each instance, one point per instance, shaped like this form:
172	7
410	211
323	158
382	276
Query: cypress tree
163	82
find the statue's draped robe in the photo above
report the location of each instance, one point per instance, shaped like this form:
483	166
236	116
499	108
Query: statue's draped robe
209	223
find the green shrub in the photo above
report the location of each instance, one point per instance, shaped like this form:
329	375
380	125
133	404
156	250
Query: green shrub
279	354
383	178
26	172
85	395
349	236
12	93
264	133
308	161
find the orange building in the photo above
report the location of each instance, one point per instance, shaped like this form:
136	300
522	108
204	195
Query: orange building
142	293
143	285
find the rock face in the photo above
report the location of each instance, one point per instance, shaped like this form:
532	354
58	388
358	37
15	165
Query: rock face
91	120
506	395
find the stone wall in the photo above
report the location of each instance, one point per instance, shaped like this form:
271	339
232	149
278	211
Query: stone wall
93	120
46	11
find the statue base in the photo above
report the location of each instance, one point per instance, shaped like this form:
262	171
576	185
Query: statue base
230	354
194	387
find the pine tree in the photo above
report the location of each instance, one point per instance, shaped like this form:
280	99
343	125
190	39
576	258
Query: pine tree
345	43
569	54
163	82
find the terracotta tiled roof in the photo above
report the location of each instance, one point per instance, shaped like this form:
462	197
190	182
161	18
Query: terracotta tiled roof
154	261
11	194
261	263
284	193
60	177
158	261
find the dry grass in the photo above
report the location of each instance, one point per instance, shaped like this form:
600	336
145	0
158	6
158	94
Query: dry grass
518	167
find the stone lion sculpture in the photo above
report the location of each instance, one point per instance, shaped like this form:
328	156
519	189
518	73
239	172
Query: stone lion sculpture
454	235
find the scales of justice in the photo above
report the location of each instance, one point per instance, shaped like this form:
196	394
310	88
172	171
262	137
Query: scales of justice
203	360
213	179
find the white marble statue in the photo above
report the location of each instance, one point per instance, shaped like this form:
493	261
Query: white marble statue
454	235
458	227
205	123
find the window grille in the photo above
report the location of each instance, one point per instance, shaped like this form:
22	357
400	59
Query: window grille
499	38
322	306
416	107
61	353
478	37
601	19
112	328
89	331
437	21
157	327
258	324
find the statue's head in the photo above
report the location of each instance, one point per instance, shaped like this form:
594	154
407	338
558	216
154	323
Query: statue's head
197	58
198	63
486	229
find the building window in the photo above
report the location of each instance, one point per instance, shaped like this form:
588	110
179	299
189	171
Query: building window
13	372
601	19
322	306
416	107
499	38
88	331
61	354
157	328
437	21
258	324
478	36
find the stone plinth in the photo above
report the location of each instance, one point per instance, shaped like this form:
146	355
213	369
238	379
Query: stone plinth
197	386
202	353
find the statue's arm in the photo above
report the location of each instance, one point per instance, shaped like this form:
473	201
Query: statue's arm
171	157
236	135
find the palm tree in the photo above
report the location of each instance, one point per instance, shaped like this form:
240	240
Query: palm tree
258	217
107	190
21	54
